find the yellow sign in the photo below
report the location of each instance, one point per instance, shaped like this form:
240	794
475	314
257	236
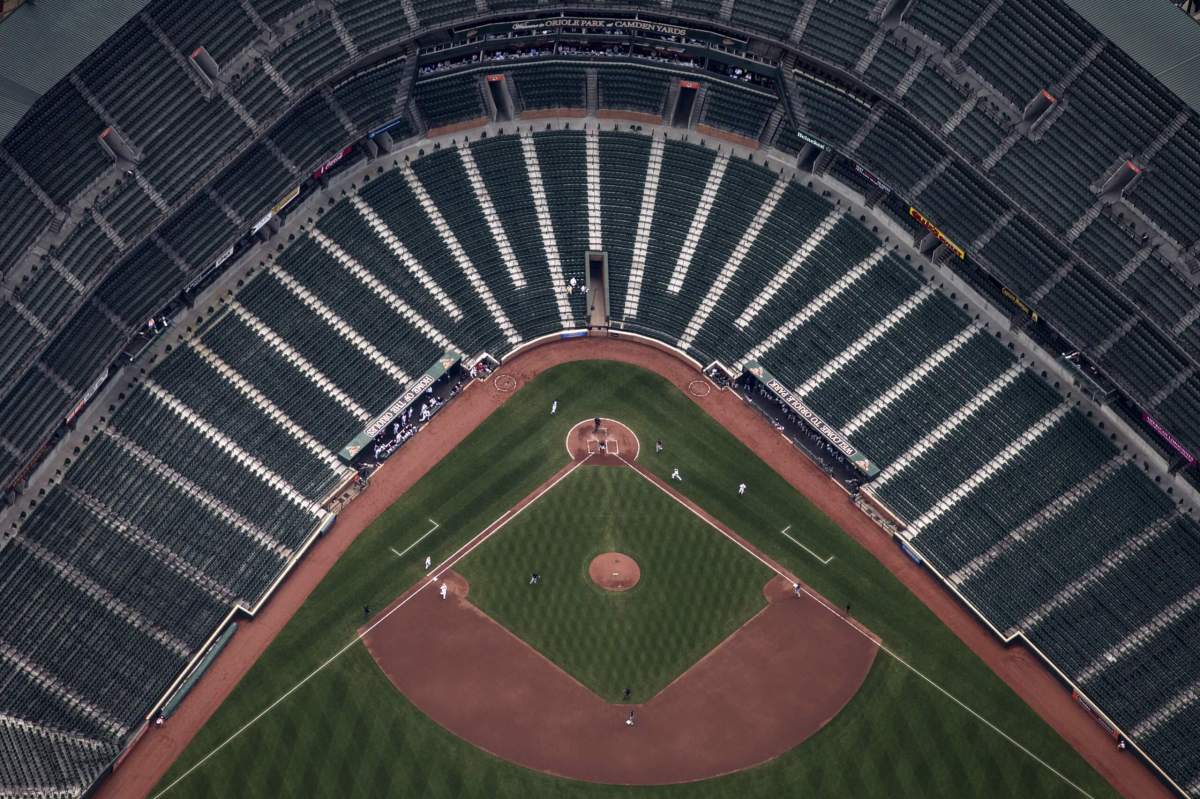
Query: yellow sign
932	228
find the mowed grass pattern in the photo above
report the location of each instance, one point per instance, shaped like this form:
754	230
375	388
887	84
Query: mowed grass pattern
348	733
696	588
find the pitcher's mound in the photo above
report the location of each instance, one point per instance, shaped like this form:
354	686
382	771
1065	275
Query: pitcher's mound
613	571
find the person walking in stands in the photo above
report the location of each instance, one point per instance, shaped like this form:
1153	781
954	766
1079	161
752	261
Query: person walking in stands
741	488
554	408
428	562
444	590
658	447
675	474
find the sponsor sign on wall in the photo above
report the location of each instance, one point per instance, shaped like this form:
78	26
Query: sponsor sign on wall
924	222
1012	297
332	162
600	25
1170	439
870	178
287	198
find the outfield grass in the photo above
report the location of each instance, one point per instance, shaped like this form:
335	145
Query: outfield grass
347	732
696	586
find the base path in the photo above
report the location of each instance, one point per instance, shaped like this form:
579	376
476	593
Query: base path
777	680
150	758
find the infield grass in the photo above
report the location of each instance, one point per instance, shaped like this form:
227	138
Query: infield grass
697	587
349	733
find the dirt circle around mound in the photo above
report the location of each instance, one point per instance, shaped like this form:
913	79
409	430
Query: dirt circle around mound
614	571
612	444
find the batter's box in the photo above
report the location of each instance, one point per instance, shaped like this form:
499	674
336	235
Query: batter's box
600	443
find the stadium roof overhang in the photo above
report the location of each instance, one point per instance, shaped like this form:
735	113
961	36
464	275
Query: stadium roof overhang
1156	34
40	43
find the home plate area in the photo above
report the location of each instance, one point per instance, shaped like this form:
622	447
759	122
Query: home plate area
607	442
653	648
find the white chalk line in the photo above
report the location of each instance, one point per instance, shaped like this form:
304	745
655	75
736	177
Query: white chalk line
414	543
470	546
823	561
882	646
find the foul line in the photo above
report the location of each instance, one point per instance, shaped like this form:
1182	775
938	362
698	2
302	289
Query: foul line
884	647
466	549
824	561
414	543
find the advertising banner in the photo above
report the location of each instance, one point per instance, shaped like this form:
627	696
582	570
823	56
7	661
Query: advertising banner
1017	301
874	181
924	222
332	162
1172	442
287	198
599	25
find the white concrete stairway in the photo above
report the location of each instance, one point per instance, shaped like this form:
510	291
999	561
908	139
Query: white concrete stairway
171	559
952	422
368	279
541	207
301	364
906	383
460	256
985	472
641	237
414	267
345	331
703	208
594	201
272	411
810	245
84	584
1093	576
1060	505
1140	637
201	496
232	448
503	245
51	684
877	331
729	270
1172	707
816	305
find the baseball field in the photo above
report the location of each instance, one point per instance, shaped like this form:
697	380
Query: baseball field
322	712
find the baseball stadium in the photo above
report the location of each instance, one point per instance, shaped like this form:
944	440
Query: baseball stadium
630	398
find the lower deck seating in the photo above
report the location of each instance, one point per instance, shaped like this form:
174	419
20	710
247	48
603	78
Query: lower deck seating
198	491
